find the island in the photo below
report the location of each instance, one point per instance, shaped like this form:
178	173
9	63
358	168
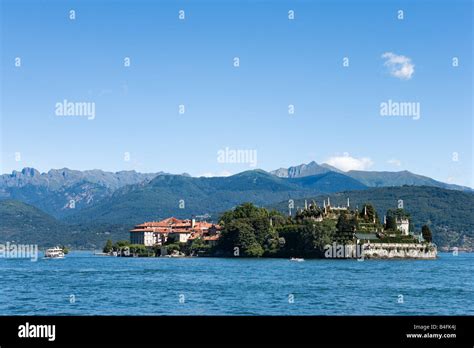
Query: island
313	231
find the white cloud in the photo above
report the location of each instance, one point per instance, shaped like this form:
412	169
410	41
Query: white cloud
394	162
400	66
211	175
346	162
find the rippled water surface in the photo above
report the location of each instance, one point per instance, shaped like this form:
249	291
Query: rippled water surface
211	286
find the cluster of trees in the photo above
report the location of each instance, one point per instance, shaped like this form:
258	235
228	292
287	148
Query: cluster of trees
251	231
195	247
306	238
125	248
365	220
313	211
367	216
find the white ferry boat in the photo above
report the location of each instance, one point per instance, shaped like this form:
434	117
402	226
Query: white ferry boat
54	253
296	259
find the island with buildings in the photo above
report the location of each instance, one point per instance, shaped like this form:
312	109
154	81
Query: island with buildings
313	231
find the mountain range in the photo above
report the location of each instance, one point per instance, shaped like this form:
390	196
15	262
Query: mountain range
368	178
63	192
59	191
84	208
168	195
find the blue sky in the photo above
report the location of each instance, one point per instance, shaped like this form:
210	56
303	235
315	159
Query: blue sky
190	62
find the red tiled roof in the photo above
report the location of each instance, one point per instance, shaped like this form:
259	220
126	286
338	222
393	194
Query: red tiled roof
174	225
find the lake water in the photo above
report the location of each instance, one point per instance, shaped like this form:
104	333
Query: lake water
85	284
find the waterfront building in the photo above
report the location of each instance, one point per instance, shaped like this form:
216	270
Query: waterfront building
403	225
172	229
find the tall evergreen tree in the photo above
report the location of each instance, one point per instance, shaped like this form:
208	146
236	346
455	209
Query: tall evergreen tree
426	233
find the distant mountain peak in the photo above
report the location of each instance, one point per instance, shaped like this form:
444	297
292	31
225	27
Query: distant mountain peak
30	171
311	168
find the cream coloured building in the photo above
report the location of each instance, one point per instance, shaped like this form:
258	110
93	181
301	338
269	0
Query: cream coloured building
403	225
173	229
